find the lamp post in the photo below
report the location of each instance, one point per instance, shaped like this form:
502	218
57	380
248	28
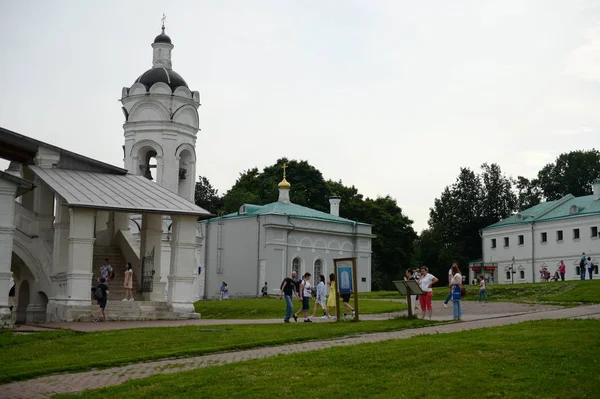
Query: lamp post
512	270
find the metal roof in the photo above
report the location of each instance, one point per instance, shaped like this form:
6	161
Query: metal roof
566	207
282	208
127	193
20	148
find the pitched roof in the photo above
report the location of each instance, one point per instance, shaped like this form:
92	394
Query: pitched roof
287	209
566	207
128	193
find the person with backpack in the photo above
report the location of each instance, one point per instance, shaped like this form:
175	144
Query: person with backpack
590	267
582	262
101	295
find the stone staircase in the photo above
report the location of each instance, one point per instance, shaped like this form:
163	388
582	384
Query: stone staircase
118	310
118	263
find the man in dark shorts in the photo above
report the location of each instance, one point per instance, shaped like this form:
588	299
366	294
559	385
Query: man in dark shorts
346	300
288	289
103	299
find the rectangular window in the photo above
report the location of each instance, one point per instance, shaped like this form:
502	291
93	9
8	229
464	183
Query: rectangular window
544	237
576	234
506	241
559	235
493	243
594	231
521	240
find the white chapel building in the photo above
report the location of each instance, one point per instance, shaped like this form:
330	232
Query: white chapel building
540	237
265	243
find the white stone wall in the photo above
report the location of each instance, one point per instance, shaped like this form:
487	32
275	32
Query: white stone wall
281	240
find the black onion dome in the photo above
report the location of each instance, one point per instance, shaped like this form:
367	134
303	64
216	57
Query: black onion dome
162	38
168	76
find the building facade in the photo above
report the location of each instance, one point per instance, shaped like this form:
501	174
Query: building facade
543	236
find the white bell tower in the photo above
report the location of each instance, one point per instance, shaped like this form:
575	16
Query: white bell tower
161	123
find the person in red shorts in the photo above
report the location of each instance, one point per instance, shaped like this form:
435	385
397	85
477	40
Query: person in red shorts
426	282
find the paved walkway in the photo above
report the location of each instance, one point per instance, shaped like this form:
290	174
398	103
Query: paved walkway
472	311
44	387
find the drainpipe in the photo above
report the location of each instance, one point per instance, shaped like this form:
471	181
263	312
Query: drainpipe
532	252
258	254
482	260
206	248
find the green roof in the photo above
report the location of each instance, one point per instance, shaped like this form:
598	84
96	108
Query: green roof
566	207
286	209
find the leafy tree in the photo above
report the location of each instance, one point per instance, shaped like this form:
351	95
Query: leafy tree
308	186
471	203
206	196
528	193
571	173
498	199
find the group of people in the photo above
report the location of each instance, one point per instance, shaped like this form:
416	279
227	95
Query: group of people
101	290
585	263
455	283
326	297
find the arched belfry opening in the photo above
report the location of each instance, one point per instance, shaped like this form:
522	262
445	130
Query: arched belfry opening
187	169
148	156
150	164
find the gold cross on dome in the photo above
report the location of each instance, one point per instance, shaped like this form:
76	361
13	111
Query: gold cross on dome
284	166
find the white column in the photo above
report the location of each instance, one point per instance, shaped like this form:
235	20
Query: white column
60	255
81	250
183	263
7	228
43	206
151	238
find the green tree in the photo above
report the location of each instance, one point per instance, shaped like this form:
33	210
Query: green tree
571	173
206	196
308	188
528	193
498	199
471	203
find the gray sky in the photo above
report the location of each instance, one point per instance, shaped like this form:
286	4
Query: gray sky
390	96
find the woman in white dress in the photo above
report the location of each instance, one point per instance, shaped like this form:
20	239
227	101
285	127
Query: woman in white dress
128	283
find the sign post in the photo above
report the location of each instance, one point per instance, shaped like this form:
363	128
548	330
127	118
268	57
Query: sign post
408	288
346	282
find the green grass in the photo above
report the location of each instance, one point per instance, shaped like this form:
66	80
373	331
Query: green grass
68	351
542	359
272	308
563	292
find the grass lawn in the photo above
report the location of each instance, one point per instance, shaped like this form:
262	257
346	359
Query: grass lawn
60	351
272	308
562	292
542	359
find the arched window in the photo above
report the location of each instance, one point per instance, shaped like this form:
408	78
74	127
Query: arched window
186	175
318	270
522	274
508	275
296	263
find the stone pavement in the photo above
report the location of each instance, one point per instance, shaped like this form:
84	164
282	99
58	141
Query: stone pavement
44	387
471	310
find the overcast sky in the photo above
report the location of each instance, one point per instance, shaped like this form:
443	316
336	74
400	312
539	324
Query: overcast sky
390	96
